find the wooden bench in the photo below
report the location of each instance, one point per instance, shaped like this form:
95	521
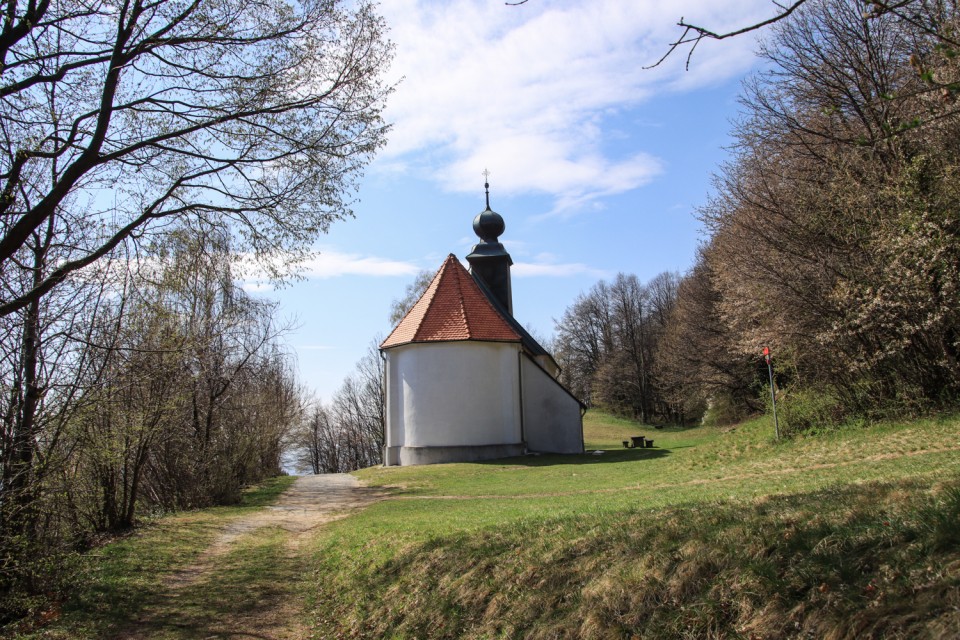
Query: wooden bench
637	442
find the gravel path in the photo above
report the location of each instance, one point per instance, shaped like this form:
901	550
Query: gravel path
310	502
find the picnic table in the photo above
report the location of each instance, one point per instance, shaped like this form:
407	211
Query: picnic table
637	441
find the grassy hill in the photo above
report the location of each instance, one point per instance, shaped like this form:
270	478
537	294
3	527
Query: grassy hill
714	533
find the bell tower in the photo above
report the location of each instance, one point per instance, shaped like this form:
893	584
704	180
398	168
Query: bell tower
488	259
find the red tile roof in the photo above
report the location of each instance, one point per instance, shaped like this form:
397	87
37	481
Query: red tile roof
452	308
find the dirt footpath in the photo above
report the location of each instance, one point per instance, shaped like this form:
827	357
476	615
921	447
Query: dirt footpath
273	614
308	503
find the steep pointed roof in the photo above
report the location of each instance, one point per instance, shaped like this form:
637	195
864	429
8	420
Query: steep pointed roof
452	308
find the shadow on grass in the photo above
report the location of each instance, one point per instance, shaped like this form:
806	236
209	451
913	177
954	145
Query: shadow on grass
227	612
552	459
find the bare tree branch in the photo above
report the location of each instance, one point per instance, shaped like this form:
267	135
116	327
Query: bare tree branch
282	101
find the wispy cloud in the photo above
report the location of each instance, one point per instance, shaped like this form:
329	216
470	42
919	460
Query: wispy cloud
326	264
527	91
546	265
332	264
548	268
256	286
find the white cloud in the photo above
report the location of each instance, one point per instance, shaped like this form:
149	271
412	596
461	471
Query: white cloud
328	264
546	265
526	90
546	268
256	286
332	264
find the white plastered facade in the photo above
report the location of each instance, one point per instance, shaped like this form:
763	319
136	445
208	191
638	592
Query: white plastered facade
473	400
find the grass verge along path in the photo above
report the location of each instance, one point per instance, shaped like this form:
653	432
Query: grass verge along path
232	572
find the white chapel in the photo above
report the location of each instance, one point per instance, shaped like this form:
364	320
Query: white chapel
464	380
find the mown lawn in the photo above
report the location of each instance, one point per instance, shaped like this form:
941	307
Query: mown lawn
713	533
686	465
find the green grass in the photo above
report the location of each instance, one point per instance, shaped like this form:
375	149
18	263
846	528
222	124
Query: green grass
125	579
687	465
717	532
252	582
839	561
714	533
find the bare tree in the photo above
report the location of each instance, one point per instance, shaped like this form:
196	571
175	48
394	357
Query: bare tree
194	398
923	15
358	412
413	292
607	345
584	335
45	364
833	238
348	433
116	118
119	122
311	440
696	362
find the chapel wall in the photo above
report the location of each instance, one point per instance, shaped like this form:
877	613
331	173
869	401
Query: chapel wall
450	394
552	421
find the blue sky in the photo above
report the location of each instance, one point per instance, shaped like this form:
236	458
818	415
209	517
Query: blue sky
596	165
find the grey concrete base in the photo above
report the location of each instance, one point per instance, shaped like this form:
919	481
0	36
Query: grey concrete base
434	455
391	456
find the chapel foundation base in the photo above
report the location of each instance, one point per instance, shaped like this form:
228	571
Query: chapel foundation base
406	456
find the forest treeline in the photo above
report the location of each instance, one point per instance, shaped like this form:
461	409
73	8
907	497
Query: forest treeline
135	391
151	157
834	239
607	346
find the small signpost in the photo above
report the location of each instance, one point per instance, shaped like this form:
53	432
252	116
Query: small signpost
773	395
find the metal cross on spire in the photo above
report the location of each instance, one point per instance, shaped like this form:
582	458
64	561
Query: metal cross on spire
486	185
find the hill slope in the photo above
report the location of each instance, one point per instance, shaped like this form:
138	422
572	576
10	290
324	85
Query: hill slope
714	533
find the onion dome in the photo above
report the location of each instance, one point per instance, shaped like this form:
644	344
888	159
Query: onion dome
488	225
